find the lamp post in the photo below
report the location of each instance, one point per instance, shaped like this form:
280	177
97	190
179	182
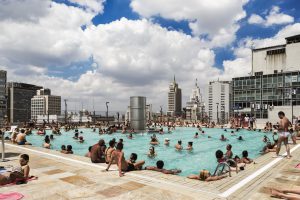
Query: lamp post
107	110
217	113
161	113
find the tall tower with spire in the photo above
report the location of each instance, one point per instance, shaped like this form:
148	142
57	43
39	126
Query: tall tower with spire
194	107
174	99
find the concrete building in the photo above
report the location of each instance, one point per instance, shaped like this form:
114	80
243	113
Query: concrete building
195	106
138	113
218	101
174	99
45	104
19	101
280	58
274	84
3	99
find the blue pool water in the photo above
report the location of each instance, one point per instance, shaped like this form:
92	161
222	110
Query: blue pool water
202	157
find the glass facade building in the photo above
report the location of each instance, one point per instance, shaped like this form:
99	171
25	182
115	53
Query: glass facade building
3	99
256	94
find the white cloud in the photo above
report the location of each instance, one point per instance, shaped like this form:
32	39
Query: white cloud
91	5
218	20
275	17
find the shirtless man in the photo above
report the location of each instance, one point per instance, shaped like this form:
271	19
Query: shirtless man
123	165
178	146
98	152
109	151
21	138
284	133
160	168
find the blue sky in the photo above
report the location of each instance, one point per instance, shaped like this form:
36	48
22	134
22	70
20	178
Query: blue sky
116	9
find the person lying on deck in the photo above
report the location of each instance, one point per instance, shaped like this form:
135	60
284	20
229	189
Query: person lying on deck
205	175
160	168
286	193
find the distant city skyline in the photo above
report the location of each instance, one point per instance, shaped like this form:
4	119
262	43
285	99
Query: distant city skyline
95	51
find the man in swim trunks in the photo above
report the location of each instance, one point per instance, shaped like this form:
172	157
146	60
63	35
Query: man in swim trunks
21	138
123	165
283	129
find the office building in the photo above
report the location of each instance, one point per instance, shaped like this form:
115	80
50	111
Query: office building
194	109
274	84
3	105
19	101
218	101
174	99
45	104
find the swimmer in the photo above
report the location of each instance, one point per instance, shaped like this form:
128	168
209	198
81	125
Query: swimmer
167	142
190	146
178	145
130	136
196	135
232	133
81	140
240	138
223	138
152	152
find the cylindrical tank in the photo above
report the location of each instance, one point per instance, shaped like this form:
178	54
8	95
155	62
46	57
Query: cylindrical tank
138	113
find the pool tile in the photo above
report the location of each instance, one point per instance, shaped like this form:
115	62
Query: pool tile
54	171
77	180
112	191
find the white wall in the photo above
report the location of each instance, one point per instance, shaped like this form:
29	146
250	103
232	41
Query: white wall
293	56
273	114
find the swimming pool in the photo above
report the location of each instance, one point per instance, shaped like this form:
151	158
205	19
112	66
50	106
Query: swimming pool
202	157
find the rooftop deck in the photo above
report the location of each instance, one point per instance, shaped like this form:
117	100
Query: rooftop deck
64	176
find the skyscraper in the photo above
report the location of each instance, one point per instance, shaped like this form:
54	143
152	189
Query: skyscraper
3	106
174	99
19	101
45	104
218	100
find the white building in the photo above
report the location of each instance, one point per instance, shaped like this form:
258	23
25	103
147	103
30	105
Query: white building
174	99
217	99
195	105
280	58
45	104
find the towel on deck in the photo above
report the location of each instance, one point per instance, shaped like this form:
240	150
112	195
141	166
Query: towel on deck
11	196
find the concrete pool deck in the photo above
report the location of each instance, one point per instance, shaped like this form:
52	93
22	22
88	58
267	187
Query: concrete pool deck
74	177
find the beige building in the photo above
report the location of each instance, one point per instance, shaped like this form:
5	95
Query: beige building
174	99
45	104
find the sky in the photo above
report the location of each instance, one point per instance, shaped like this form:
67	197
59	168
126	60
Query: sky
94	51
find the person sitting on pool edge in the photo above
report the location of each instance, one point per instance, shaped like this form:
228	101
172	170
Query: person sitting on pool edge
47	144
21	172
245	158
160	168
69	149
233	166
88	154
63	149
98	152
109	151
123	165
205	175
228	154
178	145
21	138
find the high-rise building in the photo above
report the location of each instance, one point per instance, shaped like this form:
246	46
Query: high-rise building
274	84
3	105
218	101
45	104
174	99
19	101
195	106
